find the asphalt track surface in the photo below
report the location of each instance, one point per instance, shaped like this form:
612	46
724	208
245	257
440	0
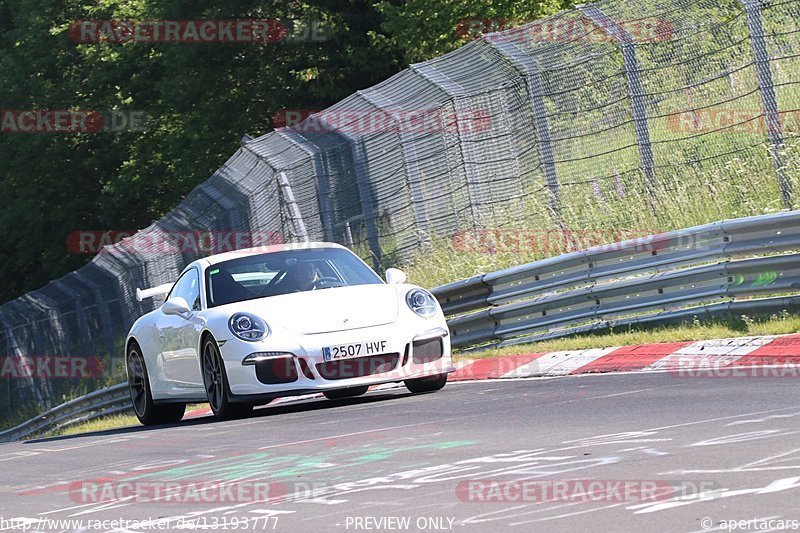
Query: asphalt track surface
724	450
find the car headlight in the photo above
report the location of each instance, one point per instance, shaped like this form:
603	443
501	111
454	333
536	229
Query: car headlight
421	302
248	327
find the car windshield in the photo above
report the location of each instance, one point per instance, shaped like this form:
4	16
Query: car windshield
272	274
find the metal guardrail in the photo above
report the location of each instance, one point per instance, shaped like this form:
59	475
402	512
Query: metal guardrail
111	400
663	278
666	278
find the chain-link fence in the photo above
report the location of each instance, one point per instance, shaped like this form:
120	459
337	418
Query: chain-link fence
612	115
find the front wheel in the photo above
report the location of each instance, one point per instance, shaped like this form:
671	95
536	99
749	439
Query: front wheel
430	384
215	381
147	411
338	394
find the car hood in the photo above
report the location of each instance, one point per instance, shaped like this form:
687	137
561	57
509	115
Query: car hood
326	310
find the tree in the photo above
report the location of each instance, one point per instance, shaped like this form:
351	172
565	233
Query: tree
198	99
423	29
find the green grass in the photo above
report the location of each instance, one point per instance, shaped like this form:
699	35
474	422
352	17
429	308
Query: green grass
106	423
99	424
606	203
742	327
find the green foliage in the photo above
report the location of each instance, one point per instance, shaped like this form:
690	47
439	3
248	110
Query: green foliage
199	99
423	29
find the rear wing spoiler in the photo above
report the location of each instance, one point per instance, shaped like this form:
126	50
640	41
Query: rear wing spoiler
153	291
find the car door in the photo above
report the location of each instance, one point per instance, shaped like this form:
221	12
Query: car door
179	336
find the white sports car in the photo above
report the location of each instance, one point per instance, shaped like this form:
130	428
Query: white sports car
242	328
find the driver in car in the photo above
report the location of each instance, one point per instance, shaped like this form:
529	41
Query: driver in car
303	276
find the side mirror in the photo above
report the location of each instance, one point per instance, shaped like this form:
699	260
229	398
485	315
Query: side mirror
395	276
176	306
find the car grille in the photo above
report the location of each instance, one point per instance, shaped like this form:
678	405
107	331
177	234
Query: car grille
275	371
357	367
427	351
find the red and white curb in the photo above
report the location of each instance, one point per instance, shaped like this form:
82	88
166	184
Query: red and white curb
713	358
690	358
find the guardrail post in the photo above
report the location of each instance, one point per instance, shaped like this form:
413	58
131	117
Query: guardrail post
529	70
635	89
769	101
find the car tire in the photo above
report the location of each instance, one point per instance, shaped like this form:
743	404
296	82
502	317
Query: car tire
430	384
215	382
340	394
147	411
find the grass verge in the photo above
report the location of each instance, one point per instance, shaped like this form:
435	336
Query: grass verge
98	424
106	423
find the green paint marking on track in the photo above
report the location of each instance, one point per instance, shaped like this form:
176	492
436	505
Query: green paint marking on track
271	464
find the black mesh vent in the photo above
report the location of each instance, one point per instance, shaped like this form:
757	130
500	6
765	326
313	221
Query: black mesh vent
427	351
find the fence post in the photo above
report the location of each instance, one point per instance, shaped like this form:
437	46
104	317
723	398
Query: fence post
769	101
323	187
411	166
15	350
635	89
294	211
102	310
285	195
432	76
529	70
357	151
365	195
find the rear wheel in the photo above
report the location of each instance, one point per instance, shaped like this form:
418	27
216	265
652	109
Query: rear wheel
216	384
147	411
430	384
345	393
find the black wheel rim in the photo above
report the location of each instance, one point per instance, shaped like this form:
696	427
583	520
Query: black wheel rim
137	382
212	376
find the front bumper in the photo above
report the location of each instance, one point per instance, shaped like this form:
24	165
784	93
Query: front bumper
294	364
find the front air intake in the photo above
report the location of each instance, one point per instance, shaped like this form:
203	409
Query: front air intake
427	351
276	371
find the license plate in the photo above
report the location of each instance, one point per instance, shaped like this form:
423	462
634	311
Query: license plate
356	349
